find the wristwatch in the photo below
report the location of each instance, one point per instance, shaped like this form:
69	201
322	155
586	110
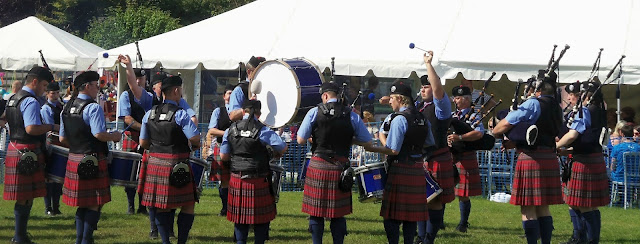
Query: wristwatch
460	137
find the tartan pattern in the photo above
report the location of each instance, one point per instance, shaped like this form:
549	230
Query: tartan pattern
470	184
22	187
441	168
142	172
84	193
536	180
322	197
588	185
156	189
130	141
219	172
250	201
405	193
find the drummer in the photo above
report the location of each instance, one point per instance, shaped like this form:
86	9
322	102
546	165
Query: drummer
24	179
217	125
405	190
167	182
50	114
251	201
333	128
241	92
86	183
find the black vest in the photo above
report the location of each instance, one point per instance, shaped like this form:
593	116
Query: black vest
81	140
17	130
332	131
414	137
57	109
166	136
589	141
245	89
247	152
438	127
548	124
137	112
223	121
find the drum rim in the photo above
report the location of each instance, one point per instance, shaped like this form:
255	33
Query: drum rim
128	155
295	76
201	162
359	169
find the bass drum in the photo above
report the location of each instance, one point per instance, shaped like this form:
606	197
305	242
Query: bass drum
290	87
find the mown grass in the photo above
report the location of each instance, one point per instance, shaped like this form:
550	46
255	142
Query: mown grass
490	223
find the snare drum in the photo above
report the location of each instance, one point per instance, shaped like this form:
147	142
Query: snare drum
199	167
276	175
124	168
290	87
371	179
305	165
57	165
433	189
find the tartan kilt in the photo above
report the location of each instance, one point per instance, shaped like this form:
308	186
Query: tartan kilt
536	180
441	167
130	141
142	172
322	197
156	189
219	172
588	185
470	184
405	193
19	187
84	193
250	201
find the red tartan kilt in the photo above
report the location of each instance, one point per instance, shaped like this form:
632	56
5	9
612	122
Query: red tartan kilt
218	170
19	187
405	193
536	180
130	141
142	173
588	185
84	193
441	168
470	184
250	201
322	197
156	189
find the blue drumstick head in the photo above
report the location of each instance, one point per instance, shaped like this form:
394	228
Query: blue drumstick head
105	55
411	45
371	96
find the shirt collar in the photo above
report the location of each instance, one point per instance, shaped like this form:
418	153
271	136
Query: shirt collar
26	88
84	96
332	100
403	109
170	101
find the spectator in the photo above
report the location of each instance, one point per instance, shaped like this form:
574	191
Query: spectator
616	135
636	134
15	87
626	145
628	114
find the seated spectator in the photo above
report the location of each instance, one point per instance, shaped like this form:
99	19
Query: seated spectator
626	145
616	136
636	134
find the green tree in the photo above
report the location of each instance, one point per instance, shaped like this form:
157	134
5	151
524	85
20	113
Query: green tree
126	25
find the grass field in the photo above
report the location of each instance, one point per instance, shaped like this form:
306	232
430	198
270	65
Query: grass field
490	223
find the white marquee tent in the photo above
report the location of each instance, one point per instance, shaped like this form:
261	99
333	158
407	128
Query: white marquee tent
21	41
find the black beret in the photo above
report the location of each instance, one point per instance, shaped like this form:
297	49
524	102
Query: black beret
139	72
53	86
573	87
424	80
329	86
255	61
158	77
86	77
252	104
461	91
551	79
42	73
401	89
229	87
171	81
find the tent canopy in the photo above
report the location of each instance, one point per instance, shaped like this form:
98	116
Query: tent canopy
474	38
21	41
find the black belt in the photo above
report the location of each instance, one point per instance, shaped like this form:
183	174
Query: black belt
251	174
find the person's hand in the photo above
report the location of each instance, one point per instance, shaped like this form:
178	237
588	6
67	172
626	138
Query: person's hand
384	100
428	56
125	59
117	136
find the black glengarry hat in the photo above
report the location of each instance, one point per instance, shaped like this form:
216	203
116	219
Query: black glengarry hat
401	89
329	86
461	91
86	77
171	81
42	73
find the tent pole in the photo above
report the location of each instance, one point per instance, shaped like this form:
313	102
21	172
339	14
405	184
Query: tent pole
196	91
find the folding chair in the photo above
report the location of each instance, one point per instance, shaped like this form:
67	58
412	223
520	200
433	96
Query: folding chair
631	181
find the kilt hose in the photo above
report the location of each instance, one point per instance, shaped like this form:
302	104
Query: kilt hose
322	197
440	164
405	193
219	171
130	141
250	200
588	185
19	187
536	180
467	165
85	193
157	191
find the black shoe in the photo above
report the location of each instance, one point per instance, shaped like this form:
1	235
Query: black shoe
443	227
573	240
27	240
223	213
56	211
153	234
131	210
49	212
142	210
462	227
418	240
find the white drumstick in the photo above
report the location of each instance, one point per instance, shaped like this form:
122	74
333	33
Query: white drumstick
256	87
